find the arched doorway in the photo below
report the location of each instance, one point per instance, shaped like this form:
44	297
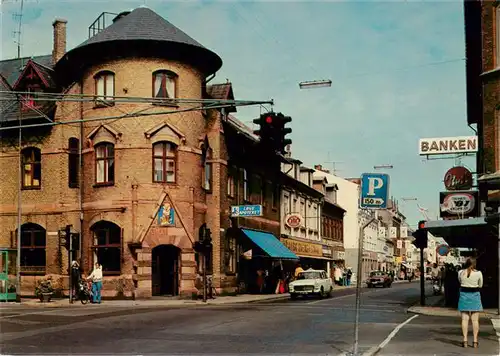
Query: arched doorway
165	267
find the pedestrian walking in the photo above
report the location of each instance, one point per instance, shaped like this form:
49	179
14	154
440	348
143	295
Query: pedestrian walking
96	278
469	303
76	272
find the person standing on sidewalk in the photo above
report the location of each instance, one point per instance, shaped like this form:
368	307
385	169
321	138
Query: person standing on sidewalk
96	277
469	303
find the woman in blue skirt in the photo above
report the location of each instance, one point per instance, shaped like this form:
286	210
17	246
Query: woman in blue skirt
469	303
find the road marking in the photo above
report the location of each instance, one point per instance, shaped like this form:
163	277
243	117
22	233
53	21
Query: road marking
347	295
388	339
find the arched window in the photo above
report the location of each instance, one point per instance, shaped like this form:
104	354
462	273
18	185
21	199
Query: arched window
164	85
32	168
107	246
207	169
164	162
33	244
104	87
105	163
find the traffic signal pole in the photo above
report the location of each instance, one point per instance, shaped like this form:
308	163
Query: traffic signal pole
422	278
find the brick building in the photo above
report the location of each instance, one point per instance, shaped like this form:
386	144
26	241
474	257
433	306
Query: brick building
137	188
482	43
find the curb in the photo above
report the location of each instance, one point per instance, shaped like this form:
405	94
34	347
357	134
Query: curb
77	304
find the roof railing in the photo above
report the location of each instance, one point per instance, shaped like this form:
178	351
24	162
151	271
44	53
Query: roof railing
100	23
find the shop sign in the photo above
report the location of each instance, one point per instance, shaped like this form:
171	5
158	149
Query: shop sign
293	221
327	252
338	255
458	178
303	248
463	204
447	145
443	250
386	248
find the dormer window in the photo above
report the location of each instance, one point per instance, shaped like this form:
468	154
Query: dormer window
29	100
104	88
164	86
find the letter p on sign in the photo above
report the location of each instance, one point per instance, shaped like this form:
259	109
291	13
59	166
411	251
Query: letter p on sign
374	183
374	191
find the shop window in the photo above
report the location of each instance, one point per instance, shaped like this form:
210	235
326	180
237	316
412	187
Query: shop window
105	163
107	246
164	86
32	168
73	162
33	245
104	88
164	162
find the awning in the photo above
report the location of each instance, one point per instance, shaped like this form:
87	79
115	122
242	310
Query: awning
268	243
459	232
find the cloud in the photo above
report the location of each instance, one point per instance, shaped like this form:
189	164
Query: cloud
381	101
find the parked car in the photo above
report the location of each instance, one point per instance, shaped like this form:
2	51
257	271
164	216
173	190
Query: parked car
311	282
379	278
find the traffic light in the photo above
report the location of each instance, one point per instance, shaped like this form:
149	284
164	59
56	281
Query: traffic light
265	131
204	244
273	131
67	236
420	236
281	132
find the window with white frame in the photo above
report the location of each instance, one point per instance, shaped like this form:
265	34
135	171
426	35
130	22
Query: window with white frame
104	86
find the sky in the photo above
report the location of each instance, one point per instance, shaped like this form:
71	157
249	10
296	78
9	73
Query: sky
397	70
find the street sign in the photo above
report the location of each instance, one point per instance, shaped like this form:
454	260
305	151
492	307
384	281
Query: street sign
374	191
246	210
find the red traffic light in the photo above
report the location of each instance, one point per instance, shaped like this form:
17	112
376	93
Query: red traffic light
421	224
269	120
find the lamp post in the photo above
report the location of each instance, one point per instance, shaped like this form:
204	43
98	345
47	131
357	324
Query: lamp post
325	83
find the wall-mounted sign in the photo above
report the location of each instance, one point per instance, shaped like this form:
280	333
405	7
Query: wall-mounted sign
403	231
399	244
458	178
338	255
393	232
293	220
327	252
443	250
303	248
459	203
447	145
386	248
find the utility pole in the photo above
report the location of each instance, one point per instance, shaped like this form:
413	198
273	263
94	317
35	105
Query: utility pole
422	278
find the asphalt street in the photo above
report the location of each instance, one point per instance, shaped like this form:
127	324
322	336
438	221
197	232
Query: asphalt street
309	326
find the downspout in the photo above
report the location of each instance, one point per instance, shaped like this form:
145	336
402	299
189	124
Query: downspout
80	176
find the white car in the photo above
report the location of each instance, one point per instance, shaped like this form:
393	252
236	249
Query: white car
311	282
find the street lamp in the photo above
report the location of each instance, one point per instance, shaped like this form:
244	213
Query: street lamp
384	166
315	84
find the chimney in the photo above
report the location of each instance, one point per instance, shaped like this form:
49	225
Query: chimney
59	48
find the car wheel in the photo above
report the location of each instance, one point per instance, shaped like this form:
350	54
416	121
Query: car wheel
293	296
322	293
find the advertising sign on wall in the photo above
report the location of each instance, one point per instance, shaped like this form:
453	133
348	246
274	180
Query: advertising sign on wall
447	145
459	204
303	248
458	178
293	220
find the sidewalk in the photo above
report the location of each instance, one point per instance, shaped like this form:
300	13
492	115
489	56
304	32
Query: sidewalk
440	335
160	301
435	307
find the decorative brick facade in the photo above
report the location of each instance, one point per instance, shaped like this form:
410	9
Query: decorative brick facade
127	200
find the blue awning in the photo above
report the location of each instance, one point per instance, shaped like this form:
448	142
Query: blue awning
268	243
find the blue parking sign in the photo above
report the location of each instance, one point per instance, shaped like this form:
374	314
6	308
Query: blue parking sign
374	191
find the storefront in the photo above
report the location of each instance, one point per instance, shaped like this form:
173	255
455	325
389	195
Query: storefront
262	257
310	253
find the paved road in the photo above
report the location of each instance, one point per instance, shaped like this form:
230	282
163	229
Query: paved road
303	326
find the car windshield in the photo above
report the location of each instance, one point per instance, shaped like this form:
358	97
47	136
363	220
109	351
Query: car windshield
376	274
309	275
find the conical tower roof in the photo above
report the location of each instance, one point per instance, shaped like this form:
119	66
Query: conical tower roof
142	32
